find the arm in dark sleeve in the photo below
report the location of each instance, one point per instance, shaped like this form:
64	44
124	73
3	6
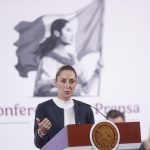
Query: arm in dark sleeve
39	142
83	113
90	116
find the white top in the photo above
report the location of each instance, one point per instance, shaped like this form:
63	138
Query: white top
69	116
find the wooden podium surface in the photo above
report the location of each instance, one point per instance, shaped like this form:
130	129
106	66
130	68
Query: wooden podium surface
129	132
78	135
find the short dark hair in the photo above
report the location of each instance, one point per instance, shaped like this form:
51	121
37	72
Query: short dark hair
113	113
65	67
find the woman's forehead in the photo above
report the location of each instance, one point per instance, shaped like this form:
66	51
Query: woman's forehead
67	73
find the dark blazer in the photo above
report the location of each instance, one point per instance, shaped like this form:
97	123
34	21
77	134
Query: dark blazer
48	109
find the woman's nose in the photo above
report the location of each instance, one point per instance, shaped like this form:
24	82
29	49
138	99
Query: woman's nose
67	84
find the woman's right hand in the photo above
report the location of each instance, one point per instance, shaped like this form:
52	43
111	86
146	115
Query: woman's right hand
43	126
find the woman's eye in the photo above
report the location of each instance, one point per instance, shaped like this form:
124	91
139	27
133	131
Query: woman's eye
72	81
63	81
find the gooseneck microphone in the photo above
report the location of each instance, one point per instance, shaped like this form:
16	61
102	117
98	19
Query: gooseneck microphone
97	111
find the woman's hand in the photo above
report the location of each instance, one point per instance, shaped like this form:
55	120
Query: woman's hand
43	126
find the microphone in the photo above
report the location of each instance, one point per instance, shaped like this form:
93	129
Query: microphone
97	111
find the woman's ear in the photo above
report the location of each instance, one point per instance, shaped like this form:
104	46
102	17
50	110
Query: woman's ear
56	33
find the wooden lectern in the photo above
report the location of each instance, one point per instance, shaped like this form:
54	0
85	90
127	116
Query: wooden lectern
74	136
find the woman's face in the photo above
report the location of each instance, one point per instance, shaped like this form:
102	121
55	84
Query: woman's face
66	83
66	36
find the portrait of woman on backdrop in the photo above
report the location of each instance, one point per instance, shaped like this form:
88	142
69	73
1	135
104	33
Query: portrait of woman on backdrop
51	41
56	51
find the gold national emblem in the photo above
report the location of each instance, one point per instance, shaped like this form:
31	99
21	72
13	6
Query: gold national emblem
105	136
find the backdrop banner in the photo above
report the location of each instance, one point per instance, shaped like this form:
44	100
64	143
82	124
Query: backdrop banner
111	42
